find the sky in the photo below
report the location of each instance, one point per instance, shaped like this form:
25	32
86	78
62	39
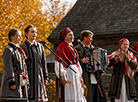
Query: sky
70	1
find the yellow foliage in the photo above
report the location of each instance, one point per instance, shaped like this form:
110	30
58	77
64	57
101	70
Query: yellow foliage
21	13
51	90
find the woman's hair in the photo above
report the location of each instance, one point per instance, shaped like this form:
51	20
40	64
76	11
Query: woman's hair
12	32
26	30
85	33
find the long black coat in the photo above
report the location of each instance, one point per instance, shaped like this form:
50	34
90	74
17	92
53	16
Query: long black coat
12	65
116	80
37	69
86	74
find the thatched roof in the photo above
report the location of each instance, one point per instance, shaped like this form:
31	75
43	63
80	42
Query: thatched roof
101	17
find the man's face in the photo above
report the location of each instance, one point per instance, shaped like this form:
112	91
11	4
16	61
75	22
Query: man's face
89	39
32	34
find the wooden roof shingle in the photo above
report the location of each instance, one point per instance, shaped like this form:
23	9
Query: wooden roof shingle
101	17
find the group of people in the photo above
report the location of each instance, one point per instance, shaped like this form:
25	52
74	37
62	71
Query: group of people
123	62
25	70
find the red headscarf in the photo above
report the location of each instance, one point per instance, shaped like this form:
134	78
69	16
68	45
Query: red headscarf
127	70
64	32
123	40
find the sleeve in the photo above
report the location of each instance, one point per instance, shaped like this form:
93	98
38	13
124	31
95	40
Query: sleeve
8	66
79	51
26	73
136	47
132	64
63	71
80	70
112	62
44	64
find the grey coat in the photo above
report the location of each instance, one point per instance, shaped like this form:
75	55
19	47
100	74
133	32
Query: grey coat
12	68
37	70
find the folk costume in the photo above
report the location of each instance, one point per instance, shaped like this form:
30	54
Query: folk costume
72	90
122	85
37	70
89	78
14	69
136	74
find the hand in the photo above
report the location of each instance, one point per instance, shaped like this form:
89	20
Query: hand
45	82
81	80
127	56
13	87
122	57
107	62
28	87
85	60
64	80
118	54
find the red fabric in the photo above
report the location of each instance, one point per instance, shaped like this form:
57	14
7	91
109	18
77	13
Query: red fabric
66	53
136	47
40	100
64	32
123	40
23	53
127	69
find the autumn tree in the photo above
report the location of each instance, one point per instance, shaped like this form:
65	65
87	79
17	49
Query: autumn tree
44	14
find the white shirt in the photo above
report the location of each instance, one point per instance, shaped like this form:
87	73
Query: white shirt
93	79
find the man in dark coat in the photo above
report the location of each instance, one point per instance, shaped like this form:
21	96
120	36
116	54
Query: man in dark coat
87	66
36	64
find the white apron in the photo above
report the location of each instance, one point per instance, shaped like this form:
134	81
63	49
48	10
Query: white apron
73	91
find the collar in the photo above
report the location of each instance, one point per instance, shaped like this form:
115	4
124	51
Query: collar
30	44
68	43
15	46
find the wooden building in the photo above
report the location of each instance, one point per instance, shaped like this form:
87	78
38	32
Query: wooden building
109	20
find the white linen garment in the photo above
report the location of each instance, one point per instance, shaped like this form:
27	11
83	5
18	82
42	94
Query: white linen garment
123	95
73	91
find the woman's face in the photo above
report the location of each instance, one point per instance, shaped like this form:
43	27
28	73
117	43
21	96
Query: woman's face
69	37
125	46
16	38
32	34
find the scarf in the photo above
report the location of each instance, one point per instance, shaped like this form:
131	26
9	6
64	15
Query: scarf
67	54
127	70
